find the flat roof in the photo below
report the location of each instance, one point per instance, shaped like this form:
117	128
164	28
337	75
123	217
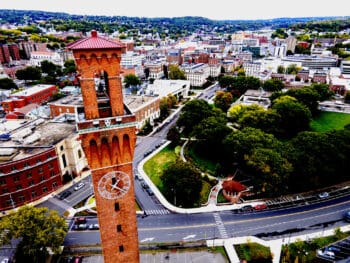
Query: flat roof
32	90
50	134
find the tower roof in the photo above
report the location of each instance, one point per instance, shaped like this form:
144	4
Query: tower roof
95	42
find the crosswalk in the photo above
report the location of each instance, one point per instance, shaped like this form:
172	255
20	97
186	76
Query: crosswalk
157	212
220	225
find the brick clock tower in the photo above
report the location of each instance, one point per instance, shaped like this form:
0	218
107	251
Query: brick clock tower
107	131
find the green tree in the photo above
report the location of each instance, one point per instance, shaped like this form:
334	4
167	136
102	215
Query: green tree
7	83
210	133
273	85
307	96
174	135
28	73
225	81
223	100
292	69
37	228
270	171
242	142
49	68
176	73
241	84
182	184
323	90
69	66
281	69
193	113
131	80
295	117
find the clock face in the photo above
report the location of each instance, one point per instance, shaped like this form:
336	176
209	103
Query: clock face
114	185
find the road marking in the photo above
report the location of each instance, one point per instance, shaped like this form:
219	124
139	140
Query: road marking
147	239
220	225
257	219
188	237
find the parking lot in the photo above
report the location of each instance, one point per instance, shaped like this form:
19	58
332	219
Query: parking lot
336	252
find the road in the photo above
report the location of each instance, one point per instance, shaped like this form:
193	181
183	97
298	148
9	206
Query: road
163	226
265	224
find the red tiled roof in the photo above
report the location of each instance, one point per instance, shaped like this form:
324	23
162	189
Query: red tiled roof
94	42
233	186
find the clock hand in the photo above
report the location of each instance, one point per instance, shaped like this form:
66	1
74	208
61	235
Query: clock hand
115	184
118	188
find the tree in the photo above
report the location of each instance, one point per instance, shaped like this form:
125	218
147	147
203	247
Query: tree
223	100
193	113
323	90
225	81
242	142
307	96
273	85
270	171
174	136
295	117
7	83
210	133
241	84
182	184
131	80
176	73
281	69
69	66
49	68
37	228
28	73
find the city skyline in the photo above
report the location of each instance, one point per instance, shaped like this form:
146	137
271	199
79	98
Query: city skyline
218	10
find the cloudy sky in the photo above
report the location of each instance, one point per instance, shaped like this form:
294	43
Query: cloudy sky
218	9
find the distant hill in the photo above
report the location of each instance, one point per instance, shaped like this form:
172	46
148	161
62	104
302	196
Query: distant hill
181	23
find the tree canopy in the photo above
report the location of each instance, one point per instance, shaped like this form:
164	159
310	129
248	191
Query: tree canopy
182	184
28	73
37	228
7	83
131	80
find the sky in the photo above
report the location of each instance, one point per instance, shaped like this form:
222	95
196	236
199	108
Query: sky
217	9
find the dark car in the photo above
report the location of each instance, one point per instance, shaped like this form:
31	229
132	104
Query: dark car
347	216
64	195
149	191
246	208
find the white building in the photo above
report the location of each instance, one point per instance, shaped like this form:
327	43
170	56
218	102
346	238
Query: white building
131	59
163	87
197	74
36	57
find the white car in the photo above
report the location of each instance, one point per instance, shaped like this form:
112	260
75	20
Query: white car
79	186
323	195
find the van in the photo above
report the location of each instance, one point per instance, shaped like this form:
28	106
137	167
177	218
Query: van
80	220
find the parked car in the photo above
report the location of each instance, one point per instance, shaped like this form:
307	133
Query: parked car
64	195
79	186
246	208
78	259
323	195
260	206
80	220
347	216
94	227
149	191
81	227
144	185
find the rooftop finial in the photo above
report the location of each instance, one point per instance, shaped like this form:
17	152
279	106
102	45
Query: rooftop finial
93	33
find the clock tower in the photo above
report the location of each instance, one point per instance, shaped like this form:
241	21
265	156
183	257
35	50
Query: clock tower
107	131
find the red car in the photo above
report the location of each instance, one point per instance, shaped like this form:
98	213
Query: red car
260	206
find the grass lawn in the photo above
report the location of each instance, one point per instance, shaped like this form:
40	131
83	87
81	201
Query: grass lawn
154	167
327	121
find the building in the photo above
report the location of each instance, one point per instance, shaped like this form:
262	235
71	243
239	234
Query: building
312	62
164	87
156	70
9	53
144	107
108	134
131	59
36	57
29	166
37	94
252	68
197	74
345	66
28	47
